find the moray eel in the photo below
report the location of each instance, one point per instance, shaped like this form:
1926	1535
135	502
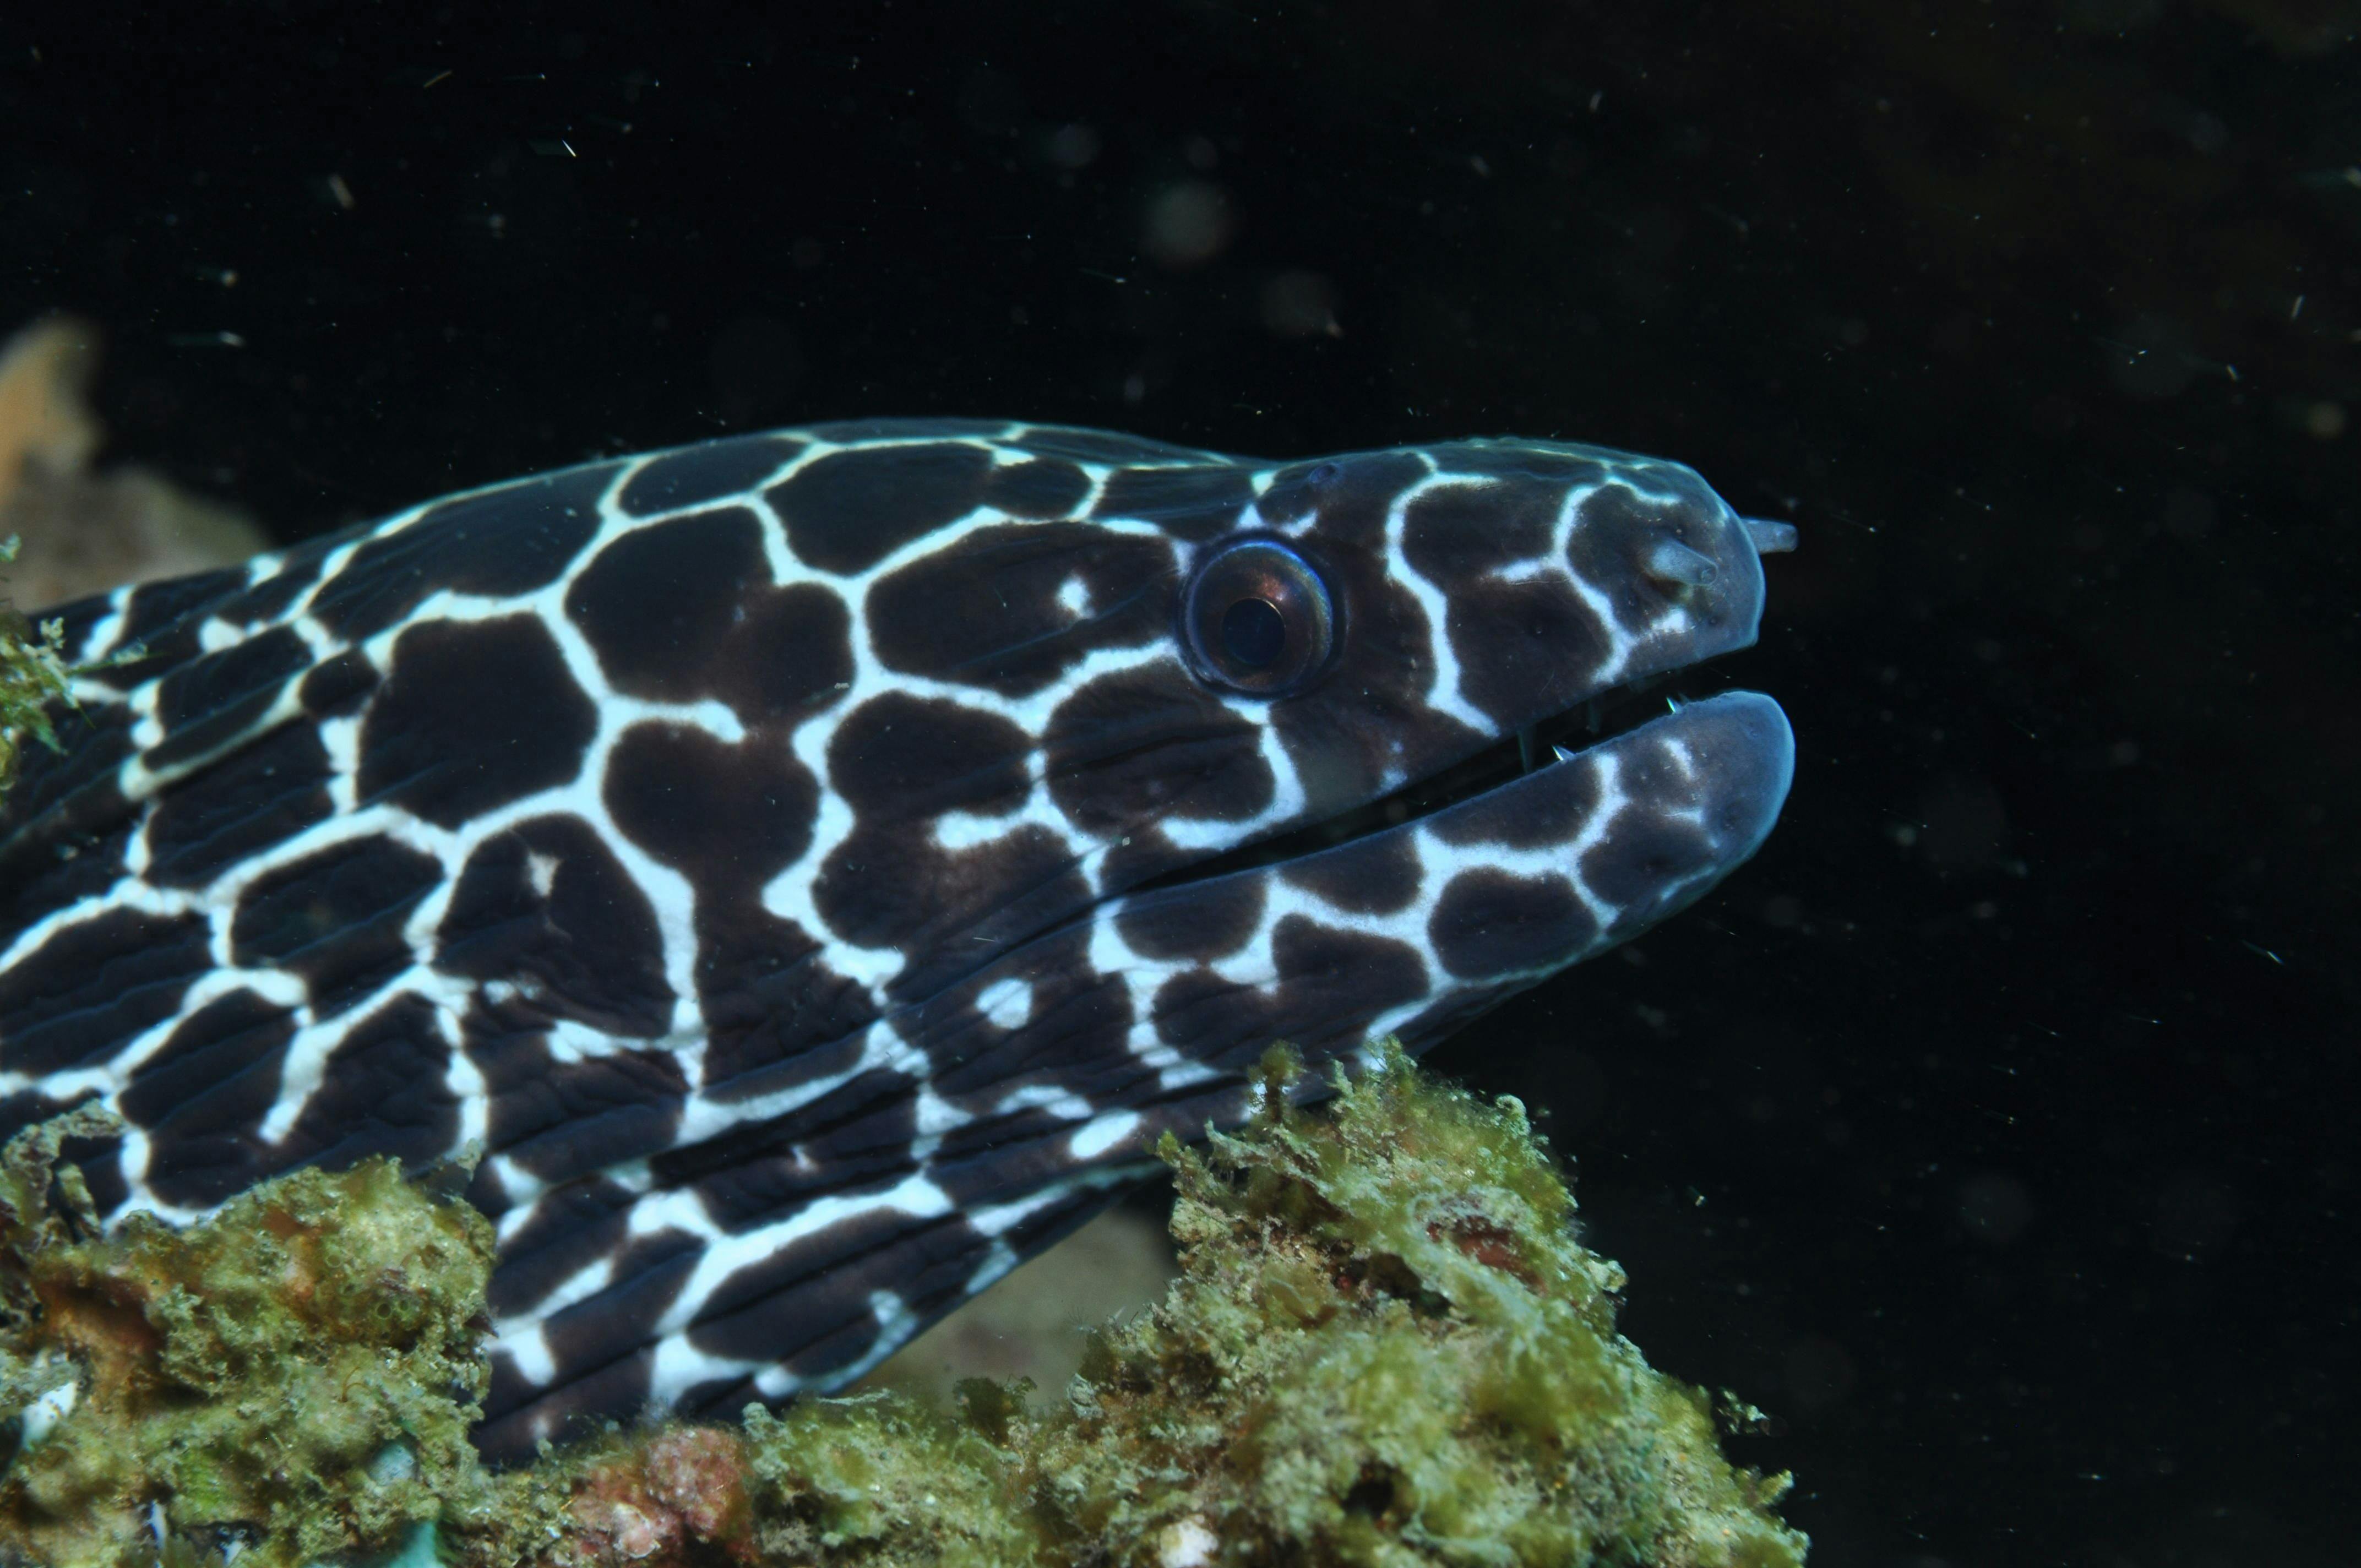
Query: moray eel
806	872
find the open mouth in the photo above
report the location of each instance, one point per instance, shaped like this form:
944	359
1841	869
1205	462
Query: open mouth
1602	717
1598	718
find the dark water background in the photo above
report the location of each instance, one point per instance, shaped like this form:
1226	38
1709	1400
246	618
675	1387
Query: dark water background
1994	1130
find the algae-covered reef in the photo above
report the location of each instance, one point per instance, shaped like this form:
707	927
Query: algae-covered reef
296	1374
1386	1348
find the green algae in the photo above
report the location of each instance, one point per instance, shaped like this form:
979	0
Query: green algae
33	674
35	679
1386	1348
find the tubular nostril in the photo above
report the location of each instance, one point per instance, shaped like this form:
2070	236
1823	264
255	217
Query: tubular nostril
1670	561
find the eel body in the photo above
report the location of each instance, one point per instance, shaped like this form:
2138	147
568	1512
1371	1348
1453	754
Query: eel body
809	872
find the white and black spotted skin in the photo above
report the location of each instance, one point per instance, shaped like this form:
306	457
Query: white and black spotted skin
792	861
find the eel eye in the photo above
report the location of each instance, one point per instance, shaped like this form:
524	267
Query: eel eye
1258	618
